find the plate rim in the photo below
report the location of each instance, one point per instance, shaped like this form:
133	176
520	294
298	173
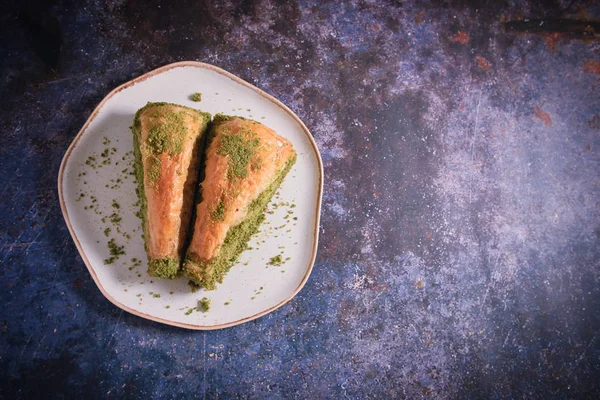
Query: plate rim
276	102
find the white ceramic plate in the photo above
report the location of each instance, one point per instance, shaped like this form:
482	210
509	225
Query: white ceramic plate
96	171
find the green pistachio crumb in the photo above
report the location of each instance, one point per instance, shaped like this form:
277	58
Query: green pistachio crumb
167	268
276	261
167	133
154	169
115	251
204	304
115	218
218	213
239	152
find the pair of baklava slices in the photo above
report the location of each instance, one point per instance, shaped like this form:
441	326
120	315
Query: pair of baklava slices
222	173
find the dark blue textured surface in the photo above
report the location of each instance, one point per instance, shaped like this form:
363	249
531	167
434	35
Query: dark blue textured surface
459	255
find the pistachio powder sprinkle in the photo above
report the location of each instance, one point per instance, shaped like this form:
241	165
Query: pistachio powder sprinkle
239	152
218	213
276	261
116	251
154	168
204	304
168	135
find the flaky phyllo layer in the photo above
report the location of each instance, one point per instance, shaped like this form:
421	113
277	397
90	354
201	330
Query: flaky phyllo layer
168	148
245	162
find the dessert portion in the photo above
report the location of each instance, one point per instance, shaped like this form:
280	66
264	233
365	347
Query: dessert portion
168	147
245	162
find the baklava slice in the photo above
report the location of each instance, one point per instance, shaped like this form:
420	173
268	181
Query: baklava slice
168	147
245	162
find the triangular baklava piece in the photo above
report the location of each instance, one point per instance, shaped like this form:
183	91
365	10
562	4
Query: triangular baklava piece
245	162
167	147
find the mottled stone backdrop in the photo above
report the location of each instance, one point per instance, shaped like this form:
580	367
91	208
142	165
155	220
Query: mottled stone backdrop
460	235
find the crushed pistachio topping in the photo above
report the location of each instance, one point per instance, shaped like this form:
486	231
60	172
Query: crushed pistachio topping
218	213
239	152
115	250
154	169
166	268
276	261
167	134
204	304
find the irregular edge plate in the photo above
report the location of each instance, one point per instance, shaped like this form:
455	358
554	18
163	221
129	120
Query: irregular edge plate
248	85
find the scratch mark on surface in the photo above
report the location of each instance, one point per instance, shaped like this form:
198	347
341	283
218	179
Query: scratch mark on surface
487	290
33	241
116	328
18	277
476	123
38	346
17	194
26	344
70	78
11	247
416	331
31	208
367	304
506	340
16	242
5	189
473	138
